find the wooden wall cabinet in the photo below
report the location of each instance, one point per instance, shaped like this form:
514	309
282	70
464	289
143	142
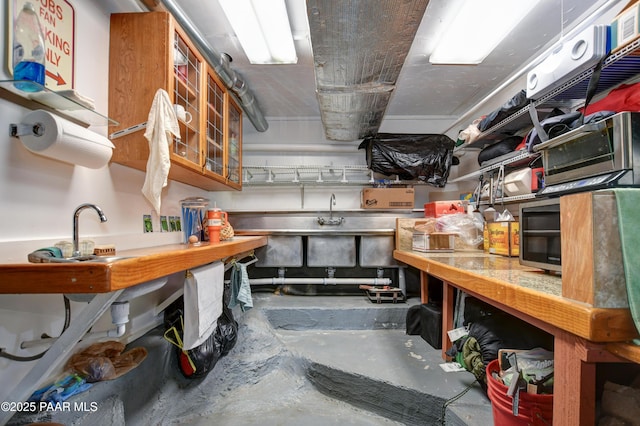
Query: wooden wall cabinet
149	51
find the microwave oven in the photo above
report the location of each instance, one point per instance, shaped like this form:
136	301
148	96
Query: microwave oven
594	156
540	243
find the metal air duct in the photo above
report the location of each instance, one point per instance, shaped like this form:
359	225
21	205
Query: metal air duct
221	66
359	48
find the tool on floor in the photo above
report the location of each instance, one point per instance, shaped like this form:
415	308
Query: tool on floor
384	293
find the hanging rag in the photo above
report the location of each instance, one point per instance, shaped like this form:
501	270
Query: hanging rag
627	200
203	292
161	124
240	287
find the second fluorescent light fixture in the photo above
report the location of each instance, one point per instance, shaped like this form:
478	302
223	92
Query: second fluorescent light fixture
477	28
263	29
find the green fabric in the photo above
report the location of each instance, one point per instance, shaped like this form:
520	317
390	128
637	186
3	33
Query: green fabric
628	201
472	354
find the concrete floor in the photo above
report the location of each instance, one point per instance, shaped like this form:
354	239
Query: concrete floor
312	360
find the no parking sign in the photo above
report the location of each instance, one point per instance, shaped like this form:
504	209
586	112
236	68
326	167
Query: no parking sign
57	18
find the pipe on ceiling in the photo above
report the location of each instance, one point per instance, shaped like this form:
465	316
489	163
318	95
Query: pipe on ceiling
221	66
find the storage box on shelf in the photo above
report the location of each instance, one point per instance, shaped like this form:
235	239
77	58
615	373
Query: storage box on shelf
208	153
387	198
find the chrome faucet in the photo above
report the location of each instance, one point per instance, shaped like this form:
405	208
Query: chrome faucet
332	202
331	220
76	215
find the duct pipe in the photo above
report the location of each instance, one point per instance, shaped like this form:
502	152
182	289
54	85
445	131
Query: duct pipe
221	66
324	281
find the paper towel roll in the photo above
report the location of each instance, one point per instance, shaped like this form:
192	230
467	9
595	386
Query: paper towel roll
66	141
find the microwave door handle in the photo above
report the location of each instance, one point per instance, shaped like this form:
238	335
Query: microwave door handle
585	129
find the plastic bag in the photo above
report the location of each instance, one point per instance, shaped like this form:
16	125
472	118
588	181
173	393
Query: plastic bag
227	329
468	228
106	361
61	390
426	157
470	134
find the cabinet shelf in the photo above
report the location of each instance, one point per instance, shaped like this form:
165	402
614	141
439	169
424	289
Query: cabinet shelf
184	89
214	111
617	68
40	95
512	160
321	175
214	145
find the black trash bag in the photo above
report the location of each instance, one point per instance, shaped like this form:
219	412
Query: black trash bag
227	329
426	157
194	363
514	104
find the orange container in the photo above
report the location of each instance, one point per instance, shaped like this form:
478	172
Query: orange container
441	208
214	224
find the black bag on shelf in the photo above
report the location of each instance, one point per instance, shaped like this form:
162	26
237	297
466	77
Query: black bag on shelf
503	147
426	157
514	104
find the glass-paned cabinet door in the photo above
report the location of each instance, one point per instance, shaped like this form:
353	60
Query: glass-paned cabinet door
214	151
186	98
234	160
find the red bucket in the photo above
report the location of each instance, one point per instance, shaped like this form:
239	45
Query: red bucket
533	410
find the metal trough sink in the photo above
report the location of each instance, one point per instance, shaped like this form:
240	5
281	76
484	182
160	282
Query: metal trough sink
329	243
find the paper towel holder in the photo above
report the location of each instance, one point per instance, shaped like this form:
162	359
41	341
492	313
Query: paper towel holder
22	129
48	135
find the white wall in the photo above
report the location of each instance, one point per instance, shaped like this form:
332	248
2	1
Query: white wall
39	196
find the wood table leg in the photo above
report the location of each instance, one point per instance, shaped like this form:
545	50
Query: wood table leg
448	310
424	287
574	388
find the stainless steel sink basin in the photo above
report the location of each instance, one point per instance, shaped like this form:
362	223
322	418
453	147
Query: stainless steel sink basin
308	223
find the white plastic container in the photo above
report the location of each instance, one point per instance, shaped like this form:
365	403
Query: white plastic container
518	182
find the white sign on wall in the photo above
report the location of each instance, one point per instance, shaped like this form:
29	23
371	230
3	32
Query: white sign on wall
57	18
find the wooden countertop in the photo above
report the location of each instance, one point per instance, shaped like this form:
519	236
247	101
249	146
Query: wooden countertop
502	280
92	277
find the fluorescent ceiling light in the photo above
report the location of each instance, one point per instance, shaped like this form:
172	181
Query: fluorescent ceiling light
477	28
263	29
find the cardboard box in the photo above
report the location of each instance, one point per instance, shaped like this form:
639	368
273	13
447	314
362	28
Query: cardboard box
387	198
625	28
433	242
504	238
440	208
